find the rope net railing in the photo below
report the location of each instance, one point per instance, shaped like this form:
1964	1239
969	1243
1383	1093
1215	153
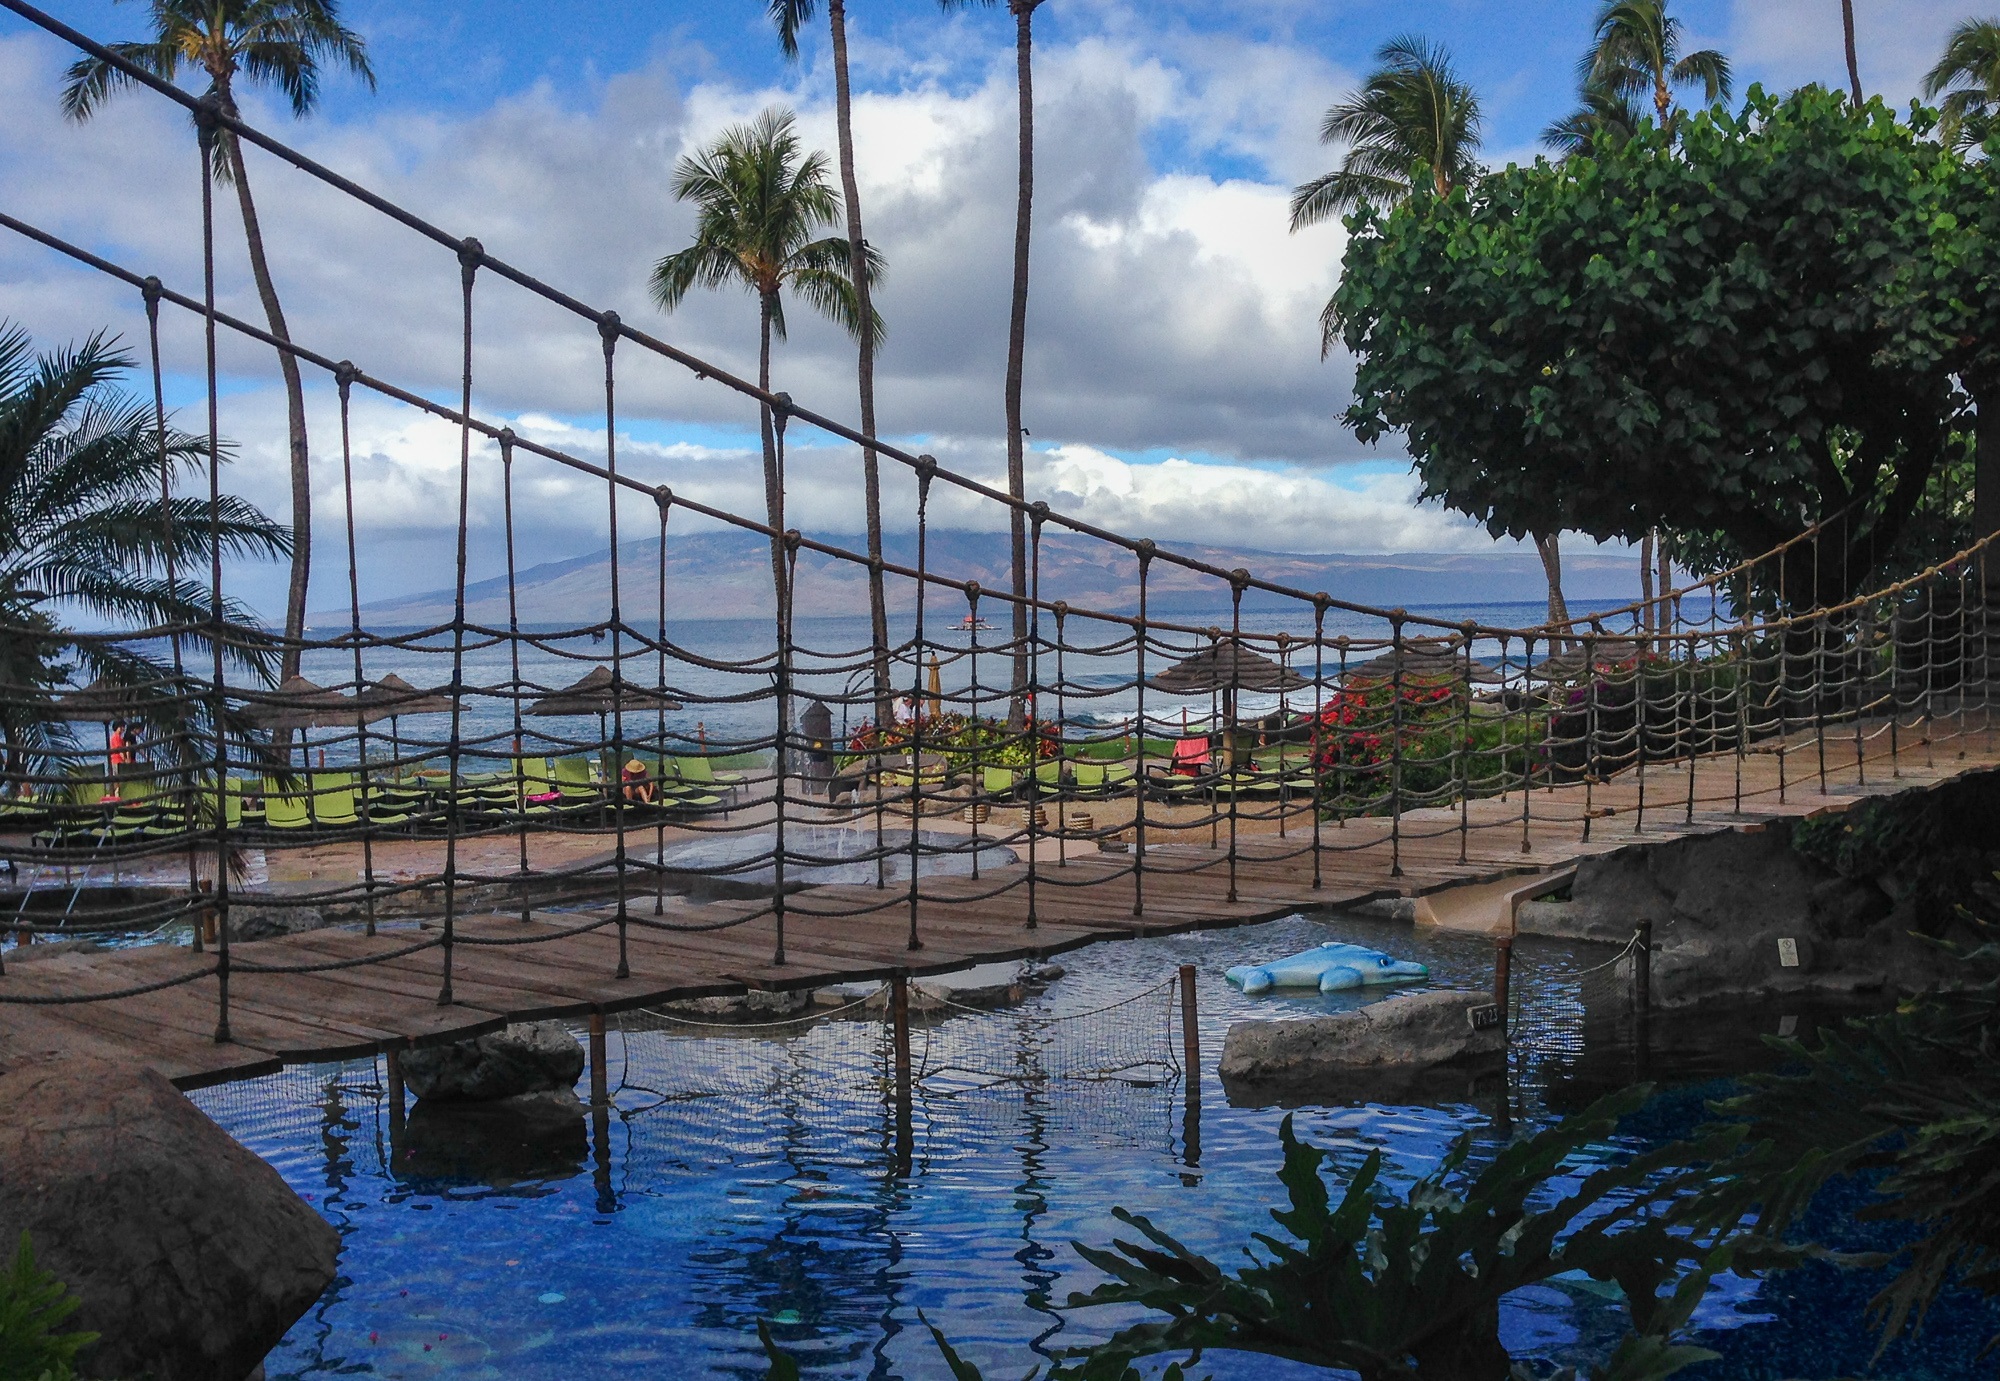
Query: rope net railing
635	755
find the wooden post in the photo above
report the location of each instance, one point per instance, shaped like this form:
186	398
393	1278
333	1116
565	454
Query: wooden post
1190	1031
1191	1061
899	1018
600	1094
1503	975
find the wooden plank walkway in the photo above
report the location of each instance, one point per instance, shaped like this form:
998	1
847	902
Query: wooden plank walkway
848	933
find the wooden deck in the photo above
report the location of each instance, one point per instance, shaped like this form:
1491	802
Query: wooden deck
847	933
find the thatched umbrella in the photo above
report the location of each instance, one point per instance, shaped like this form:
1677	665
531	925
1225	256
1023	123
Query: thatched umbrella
1425	662
391	698
592	694
100	702
1226	667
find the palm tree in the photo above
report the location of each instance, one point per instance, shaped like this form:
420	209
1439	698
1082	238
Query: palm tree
1599	112
791	16
1413	111
1853	58
760	204
1970	72
85	529
1023	12
1638	54
279	43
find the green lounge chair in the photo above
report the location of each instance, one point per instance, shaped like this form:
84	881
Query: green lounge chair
1088	781
1049	778
285	810
1001	782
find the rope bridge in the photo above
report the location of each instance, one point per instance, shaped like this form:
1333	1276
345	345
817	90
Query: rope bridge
1108	772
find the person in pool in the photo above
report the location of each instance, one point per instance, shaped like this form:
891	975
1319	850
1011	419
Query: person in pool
638	784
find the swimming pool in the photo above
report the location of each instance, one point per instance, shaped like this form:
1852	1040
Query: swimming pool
655	1250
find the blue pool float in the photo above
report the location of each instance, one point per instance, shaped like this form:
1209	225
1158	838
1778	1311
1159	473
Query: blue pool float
1330	967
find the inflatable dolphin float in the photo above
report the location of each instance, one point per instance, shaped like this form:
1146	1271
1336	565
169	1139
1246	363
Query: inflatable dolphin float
1329	967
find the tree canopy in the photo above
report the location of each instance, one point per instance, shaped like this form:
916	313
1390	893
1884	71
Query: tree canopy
1737	328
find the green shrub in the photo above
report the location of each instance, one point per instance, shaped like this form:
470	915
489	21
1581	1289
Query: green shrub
33	1304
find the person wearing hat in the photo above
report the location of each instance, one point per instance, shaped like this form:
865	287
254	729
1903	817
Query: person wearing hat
638	784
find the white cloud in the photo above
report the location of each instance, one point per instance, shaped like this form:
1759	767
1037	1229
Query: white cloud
1791	42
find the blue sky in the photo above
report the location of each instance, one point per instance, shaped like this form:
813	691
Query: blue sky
1174	379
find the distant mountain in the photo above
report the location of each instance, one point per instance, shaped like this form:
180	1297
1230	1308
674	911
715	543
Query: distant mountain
728	575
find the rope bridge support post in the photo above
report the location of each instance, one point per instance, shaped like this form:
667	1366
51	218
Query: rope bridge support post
899	1036
1191	1063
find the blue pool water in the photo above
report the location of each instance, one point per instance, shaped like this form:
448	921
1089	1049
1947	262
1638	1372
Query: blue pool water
655	1247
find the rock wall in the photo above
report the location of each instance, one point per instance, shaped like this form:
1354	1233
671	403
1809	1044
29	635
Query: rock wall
1358	1053
1845	903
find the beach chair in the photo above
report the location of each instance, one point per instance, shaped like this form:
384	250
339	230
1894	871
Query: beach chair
1049	778
1088	780
574	783
285	810
1192	757
1000	783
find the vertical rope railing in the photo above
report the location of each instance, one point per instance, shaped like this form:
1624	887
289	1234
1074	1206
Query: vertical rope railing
1463	751
1318	728
1528	744
514	683
150	293
663	498
1590	742
1396	744
1232	714
469	255
207	129
975	732
1141	631
782	756
344	383
927	471
1031	721
613	773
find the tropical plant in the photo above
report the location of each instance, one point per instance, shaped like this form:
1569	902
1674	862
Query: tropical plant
1637	55
33	1305
1023	13
1968	77
1413	113
790	16
1911	1096
1407	1287
279	43
85	529
760	202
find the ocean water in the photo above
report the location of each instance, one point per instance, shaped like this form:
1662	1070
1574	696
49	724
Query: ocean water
721	674
755	1177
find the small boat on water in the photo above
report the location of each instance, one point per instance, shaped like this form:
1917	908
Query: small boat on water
972	623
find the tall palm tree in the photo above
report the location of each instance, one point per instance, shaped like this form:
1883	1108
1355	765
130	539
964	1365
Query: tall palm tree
761	202
1023	12
1969	72
790	16
86	531
1637	54
1853	58
1414	110
280	43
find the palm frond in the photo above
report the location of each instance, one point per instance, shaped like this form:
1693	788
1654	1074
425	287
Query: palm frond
1413	112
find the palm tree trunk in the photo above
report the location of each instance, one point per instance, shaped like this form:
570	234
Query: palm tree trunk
1646	586
1017	346
1853	64
1549	547
295	407
871	478
1663	622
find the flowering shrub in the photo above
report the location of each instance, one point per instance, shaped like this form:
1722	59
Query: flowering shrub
965	740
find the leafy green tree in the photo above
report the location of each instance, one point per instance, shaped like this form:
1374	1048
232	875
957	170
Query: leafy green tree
1637	55
280	43
1023	14
33	1305
1968	77
761	202
1739	330
85	529
791	16
1413	116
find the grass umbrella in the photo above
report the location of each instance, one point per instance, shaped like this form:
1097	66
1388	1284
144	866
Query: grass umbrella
595	694
1224	668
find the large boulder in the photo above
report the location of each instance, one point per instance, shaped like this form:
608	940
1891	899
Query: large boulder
537	1057
530	1137
1396	1037
191	1256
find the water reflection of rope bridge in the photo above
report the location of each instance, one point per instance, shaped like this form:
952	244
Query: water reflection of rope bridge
1042	795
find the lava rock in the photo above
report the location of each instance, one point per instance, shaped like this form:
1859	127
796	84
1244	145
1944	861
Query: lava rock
268	922
755	1005
1745	914
191	1256
1417	1030
532	1058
